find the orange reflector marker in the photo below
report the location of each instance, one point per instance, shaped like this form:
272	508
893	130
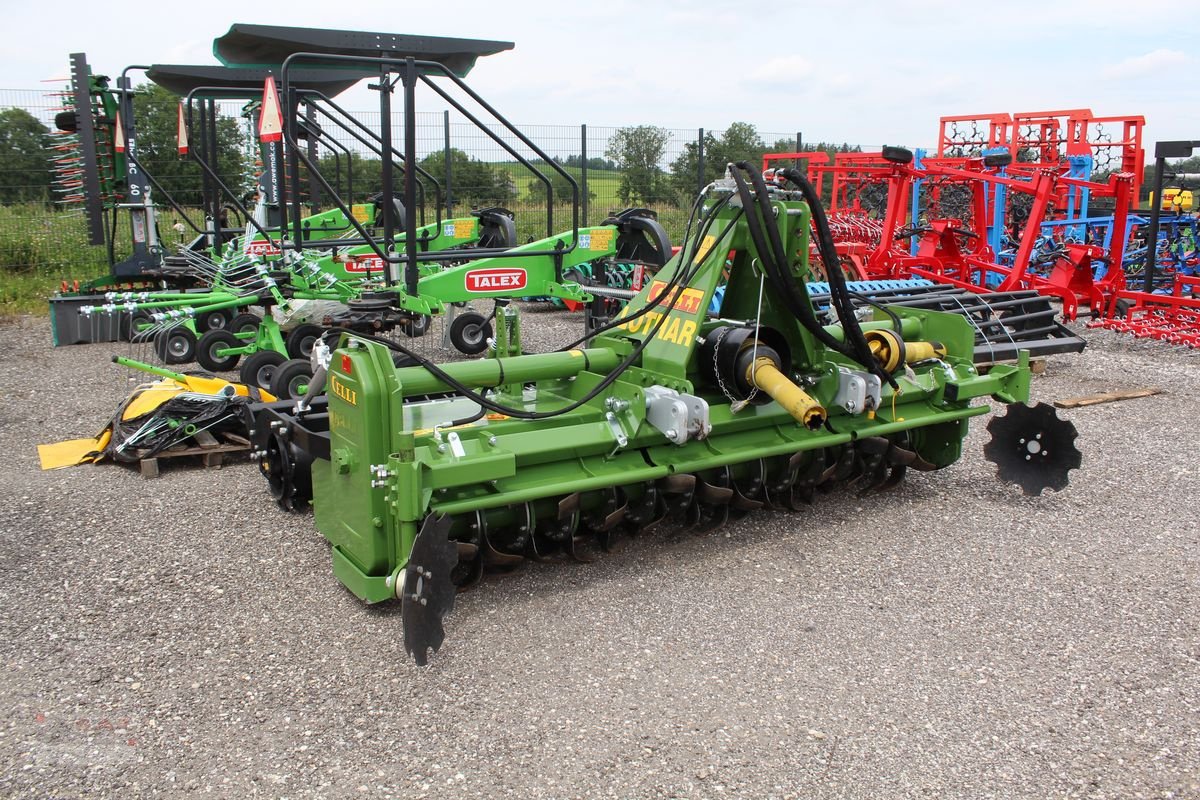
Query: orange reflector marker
119	136
270	118
183	139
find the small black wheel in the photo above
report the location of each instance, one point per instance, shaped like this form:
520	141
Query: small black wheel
416	326
208	351
175	345
213	320
291	379
259	368
245	323
469	333
140	326
401	360
301	340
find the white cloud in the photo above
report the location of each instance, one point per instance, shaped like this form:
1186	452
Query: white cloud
1160	62
782	70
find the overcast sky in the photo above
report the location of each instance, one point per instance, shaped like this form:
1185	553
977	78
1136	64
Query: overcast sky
863	72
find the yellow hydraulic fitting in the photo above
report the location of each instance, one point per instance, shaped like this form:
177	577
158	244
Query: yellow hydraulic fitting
766	376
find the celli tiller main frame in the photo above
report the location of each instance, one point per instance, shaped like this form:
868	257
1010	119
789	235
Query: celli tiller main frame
424	477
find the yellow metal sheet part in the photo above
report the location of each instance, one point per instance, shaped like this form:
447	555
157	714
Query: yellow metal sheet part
71	453
148	398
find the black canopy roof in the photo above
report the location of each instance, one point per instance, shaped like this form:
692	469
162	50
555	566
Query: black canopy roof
269	45
183	78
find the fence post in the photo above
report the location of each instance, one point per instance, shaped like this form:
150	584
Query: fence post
583	171
700	162
446	158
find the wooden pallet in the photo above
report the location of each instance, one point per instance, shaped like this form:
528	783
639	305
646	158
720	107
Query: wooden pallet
210	450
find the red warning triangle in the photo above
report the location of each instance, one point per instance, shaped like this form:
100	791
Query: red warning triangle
119	135
183	142
270	116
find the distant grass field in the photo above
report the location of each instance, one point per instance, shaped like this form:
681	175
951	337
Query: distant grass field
40	247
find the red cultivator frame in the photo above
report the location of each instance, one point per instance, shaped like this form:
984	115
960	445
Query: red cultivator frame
953	249
1171	317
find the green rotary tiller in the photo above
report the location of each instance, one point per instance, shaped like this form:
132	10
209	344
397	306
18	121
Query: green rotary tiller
424	477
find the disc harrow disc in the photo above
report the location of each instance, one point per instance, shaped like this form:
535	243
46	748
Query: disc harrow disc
1033	448
428	592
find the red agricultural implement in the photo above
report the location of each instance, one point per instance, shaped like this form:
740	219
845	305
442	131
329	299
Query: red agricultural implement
1170	314
958	199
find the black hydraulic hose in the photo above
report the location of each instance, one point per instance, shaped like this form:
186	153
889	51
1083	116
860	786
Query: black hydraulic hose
837	280
800	308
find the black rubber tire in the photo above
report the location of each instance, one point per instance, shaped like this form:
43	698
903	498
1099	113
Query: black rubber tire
401	360
289	377
259	368
135	319
244	322
212	341
175	345
416	327
213	320
469	333
301	340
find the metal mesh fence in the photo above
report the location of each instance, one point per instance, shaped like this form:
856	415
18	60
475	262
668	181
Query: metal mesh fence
462	168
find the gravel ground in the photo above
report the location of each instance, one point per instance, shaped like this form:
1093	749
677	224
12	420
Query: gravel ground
951	639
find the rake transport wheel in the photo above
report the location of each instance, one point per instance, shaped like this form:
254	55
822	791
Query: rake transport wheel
291	379
301	340
175	345
212	343
416	326
469	333
140	323
245	323
1033	448
259	368
213	320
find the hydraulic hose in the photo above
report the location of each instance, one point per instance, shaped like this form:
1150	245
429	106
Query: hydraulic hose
858	349
781	279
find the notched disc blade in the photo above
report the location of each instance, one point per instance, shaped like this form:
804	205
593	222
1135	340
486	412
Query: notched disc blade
428	593
1033	448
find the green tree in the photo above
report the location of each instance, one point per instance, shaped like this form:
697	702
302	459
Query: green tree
353	176
24	161
739	142
637	152
156	115
471	181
